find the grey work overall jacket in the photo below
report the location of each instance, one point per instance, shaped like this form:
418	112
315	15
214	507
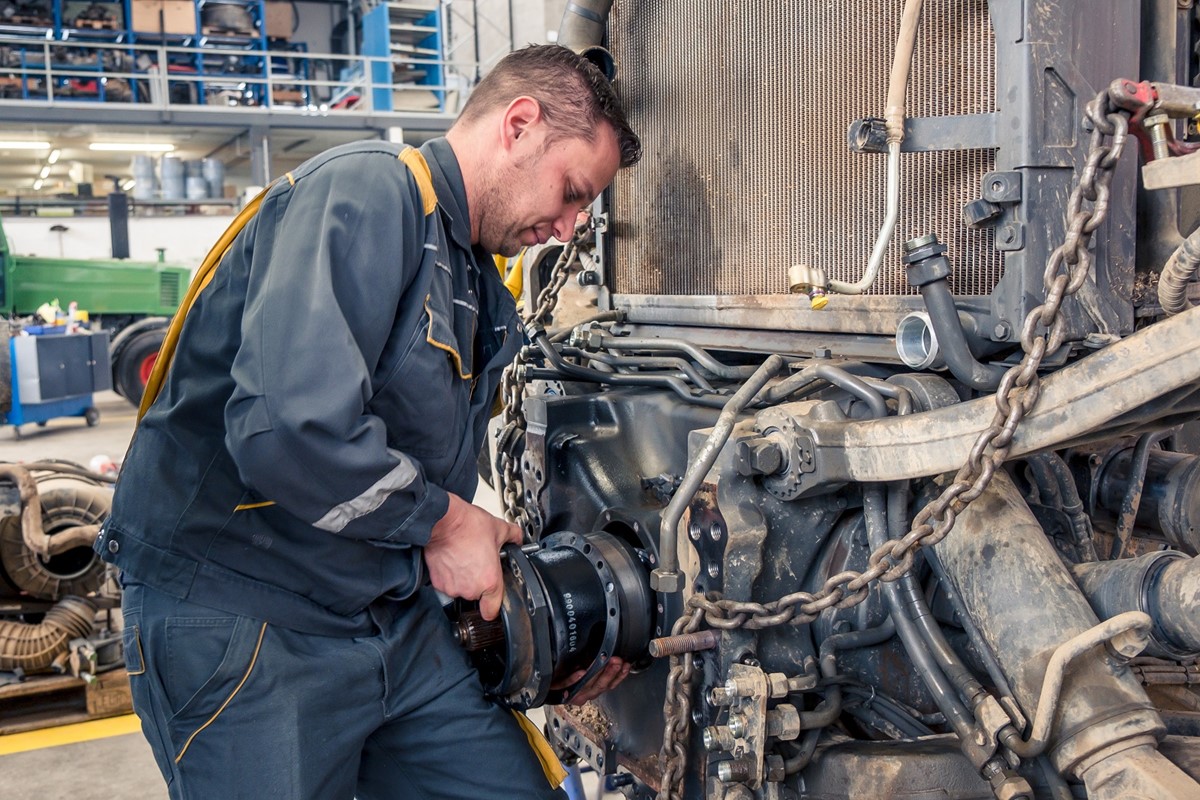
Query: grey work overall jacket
332	383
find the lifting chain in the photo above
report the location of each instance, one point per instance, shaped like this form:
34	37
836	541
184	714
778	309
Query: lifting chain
510	441
1042	334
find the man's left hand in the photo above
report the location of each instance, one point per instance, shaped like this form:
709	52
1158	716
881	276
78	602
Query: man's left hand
613	673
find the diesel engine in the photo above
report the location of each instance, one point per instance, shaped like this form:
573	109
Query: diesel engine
862	415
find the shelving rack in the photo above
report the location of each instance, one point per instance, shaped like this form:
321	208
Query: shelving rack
409	35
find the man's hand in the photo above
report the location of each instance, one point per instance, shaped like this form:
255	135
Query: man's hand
463	554
613	673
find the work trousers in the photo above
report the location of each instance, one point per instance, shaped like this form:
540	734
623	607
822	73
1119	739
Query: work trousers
234	707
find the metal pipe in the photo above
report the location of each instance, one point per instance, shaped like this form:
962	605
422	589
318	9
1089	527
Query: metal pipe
893	115
538	336
1131	622
666	577
686	368
582	29
35	537
676	385
884	238
701	357
1026	605
834	376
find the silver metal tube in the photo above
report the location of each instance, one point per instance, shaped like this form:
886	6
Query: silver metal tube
666	577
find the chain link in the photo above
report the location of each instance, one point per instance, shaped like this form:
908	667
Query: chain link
1042	334
510	442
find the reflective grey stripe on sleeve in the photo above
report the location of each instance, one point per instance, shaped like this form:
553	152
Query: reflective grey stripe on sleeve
343	514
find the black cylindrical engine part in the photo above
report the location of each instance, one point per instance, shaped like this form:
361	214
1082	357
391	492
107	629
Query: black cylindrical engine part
1170	503
1163	584
571	603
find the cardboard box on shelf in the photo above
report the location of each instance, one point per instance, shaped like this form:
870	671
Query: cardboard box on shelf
179	16
163	16
280	19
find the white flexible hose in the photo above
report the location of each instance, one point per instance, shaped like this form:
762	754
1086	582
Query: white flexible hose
894	114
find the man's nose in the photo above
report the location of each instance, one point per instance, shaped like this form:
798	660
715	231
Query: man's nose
564	225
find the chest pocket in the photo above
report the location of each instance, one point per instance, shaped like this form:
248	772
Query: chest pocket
425	402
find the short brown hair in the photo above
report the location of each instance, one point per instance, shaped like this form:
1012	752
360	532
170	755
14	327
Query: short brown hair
573	93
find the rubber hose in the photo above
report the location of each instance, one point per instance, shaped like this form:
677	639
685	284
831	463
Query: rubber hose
1179	271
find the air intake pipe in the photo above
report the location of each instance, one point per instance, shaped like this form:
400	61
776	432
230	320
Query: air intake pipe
582	29
1026	606
1163	584
33	648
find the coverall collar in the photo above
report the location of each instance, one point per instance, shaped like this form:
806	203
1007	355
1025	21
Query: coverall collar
448	184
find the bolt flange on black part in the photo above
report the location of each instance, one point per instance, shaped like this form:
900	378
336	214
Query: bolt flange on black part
571	602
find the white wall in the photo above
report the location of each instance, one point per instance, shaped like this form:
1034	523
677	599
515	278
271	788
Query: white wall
186	239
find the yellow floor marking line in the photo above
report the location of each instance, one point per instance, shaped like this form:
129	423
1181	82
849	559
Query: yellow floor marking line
69	734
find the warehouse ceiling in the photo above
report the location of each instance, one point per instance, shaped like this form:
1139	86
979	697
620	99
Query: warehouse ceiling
78	163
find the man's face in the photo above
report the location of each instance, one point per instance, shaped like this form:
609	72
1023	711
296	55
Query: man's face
537	194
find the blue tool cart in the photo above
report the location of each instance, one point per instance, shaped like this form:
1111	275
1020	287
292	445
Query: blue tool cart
54	375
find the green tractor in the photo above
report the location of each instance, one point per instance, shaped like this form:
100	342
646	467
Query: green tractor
132	300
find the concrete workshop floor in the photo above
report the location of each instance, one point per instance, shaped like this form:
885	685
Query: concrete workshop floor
108	758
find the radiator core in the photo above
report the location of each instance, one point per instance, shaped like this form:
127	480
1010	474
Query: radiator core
743	109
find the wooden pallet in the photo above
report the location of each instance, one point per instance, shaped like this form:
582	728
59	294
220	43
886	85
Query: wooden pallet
45	702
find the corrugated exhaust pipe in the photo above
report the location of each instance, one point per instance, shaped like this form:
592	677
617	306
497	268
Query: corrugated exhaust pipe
36	539
34	648
582	29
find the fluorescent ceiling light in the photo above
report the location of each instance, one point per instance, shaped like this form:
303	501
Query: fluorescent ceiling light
37	185
53	157
24	145
45	172
132	147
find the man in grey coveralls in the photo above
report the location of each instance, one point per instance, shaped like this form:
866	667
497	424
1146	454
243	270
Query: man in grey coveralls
296	491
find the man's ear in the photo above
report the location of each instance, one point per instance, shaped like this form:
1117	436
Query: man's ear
521	121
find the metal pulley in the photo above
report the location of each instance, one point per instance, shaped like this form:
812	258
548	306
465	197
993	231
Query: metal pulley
571	602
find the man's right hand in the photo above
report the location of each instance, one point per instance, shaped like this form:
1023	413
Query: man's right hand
463	554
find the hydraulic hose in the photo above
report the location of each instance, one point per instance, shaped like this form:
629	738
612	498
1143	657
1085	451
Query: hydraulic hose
538	336
944	693
33	648
893	115
1180	269
1051	474
36	539
665	577
686	369
693	352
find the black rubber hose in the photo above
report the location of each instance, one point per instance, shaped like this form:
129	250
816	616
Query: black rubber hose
1177	274
990	664
1138	464
968	686
943	316
700	356
562	368
944	693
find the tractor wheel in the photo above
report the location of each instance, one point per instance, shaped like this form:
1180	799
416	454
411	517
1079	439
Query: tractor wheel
135	362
